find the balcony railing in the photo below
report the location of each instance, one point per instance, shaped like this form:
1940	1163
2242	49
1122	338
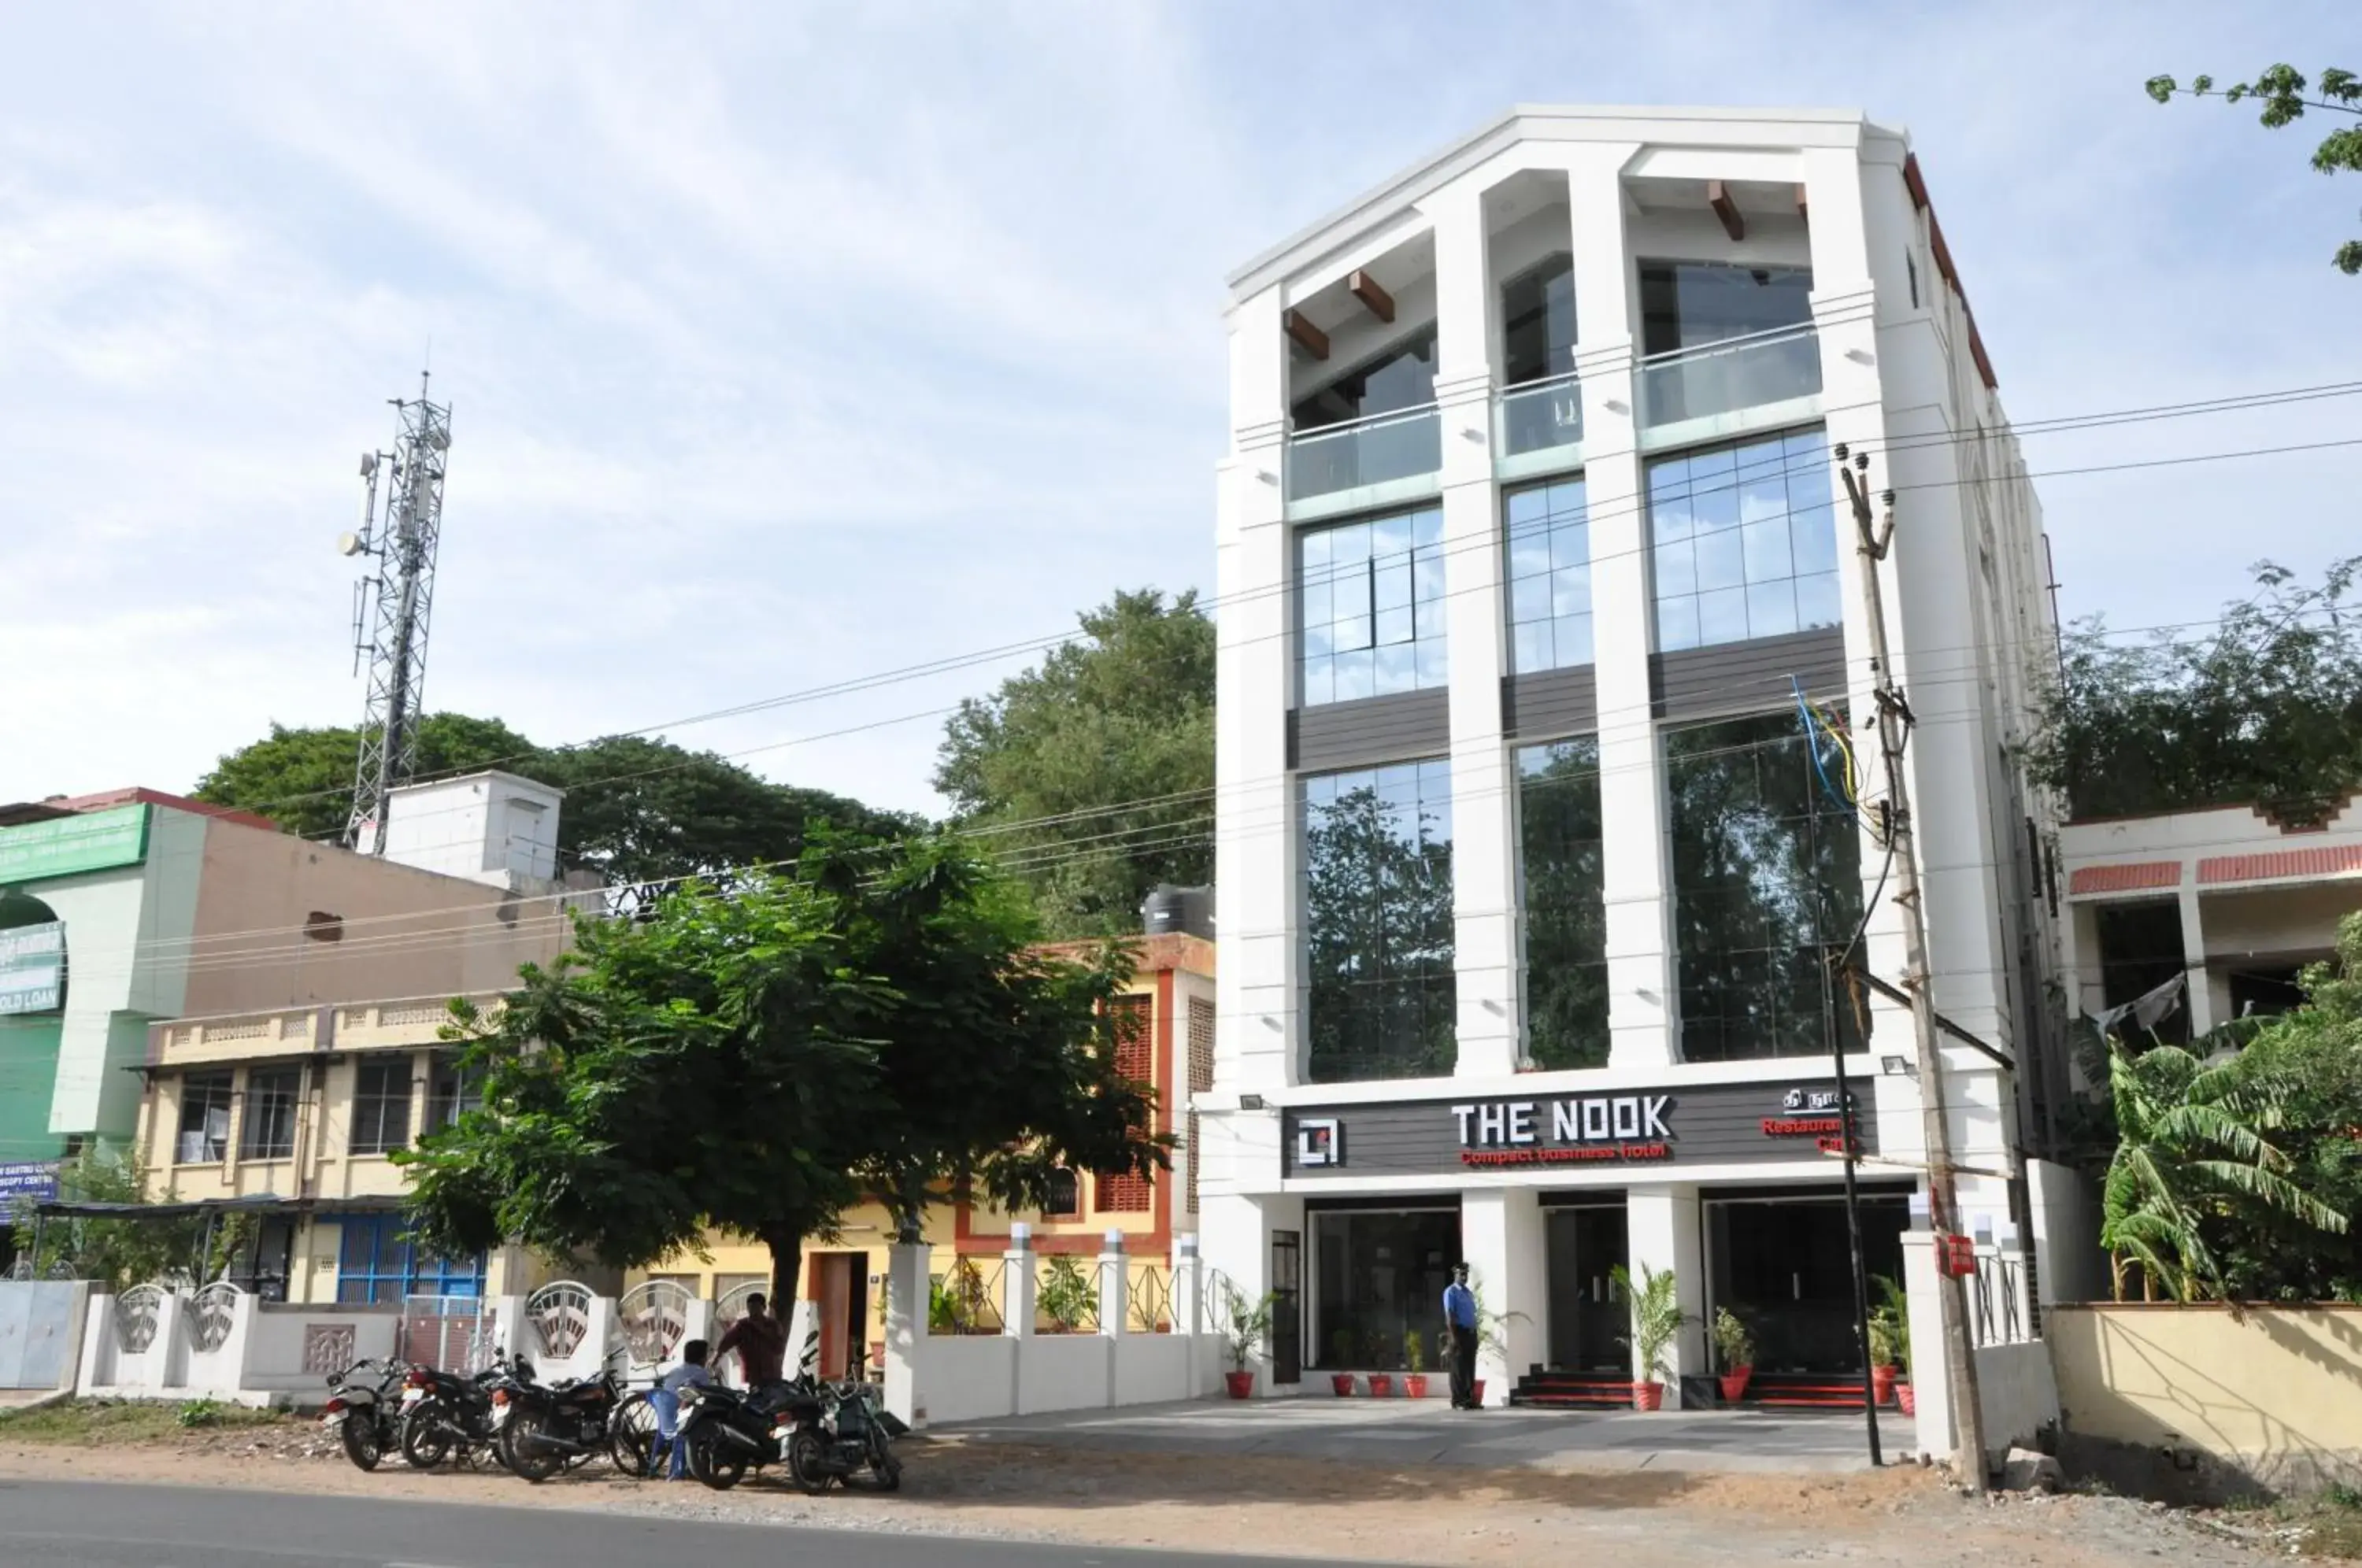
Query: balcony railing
1365	452
1723	378
1542	415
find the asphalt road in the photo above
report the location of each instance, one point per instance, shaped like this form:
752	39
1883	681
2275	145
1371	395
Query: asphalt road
63	1524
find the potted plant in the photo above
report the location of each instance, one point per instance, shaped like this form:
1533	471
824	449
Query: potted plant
1735	1347
1415	1361
1246	1328
1374	1350
1340	1347
1657	1317
1067	1295
1889	1337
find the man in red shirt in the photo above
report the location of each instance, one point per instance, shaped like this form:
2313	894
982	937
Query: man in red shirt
761	1342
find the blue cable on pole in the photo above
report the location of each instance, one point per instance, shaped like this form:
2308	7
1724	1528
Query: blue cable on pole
1813	740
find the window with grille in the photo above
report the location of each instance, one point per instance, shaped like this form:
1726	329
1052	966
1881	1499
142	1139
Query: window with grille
377	1263
1123	1192
1201	1045
204	1118
268	1133
1066	1196
381	1105
1190	1150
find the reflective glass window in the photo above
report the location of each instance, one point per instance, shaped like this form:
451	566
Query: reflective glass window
1767	889
1371	606
1561	882
1549	528
1743	540
1377	919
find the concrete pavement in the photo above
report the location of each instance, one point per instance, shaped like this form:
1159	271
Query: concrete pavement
1429	1431
58	1524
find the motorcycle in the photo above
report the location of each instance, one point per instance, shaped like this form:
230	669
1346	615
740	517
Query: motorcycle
447	1416
540	1430
841	1432
364	1415
725	1431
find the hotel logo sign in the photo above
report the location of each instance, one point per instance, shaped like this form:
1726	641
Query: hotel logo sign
1691	1125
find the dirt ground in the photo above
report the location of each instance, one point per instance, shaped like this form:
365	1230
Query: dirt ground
1266	1505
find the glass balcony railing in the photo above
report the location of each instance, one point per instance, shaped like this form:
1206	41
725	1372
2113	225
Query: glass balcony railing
1723	378
1365	452
1542	415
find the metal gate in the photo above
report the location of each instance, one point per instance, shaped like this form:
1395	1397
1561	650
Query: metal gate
451	1333
37	1331
1287	1307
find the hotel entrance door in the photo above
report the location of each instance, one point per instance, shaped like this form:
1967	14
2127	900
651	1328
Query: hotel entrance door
1588	1315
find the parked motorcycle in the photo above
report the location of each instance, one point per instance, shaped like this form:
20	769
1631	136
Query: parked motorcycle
447	1416
363	1412
725	1431
841	1432
542	1430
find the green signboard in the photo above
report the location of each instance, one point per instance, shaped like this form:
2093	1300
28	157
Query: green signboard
33	967
88	841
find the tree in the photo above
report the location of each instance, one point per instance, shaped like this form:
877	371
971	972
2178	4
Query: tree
302	779
2190	1150
1092	777
2266	710
116	1254
639	809
756	1060
2281	90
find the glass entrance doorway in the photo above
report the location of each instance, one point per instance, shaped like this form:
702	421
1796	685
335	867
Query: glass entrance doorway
1783	1266
1587	1314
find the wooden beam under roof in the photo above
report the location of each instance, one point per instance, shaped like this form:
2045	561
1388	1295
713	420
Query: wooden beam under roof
1370	293
1734	222
1309	337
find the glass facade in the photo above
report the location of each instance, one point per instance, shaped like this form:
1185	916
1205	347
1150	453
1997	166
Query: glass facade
1562	891
1744	541
1372	606
1689	304
1402	376
1538	321
1549	576
1378	930
1767	889
1379	1276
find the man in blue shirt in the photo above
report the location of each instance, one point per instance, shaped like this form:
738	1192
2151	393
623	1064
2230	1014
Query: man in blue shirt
1459	1331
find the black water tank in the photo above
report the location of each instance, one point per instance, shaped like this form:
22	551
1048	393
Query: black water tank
1169	910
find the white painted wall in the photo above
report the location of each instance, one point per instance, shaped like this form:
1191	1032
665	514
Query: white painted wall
2018	1392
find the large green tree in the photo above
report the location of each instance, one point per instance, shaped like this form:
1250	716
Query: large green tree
2282	91
1092	777
2265	710
639	809
754	1060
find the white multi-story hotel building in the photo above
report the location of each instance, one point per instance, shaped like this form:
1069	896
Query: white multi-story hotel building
1530	865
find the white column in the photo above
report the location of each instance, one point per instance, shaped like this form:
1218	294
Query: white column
1017	1282
1502	1235
1114	1285
2197	986
1483	853
1631	771
906	1327
1929	1386
1257	1036
1663	1223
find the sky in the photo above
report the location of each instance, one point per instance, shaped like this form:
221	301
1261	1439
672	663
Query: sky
792	345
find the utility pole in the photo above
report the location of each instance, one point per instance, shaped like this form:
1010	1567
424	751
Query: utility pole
1894	723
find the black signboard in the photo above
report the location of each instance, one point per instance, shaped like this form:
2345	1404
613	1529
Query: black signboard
1702	1124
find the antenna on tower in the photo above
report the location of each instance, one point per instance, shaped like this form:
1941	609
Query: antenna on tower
393	604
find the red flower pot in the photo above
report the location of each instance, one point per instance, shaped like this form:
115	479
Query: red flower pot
1881	1384
1648	1395
1734	1384
1908	1400
1381	1385
1343	1381
1240	1384
1414	1386
1477	1390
